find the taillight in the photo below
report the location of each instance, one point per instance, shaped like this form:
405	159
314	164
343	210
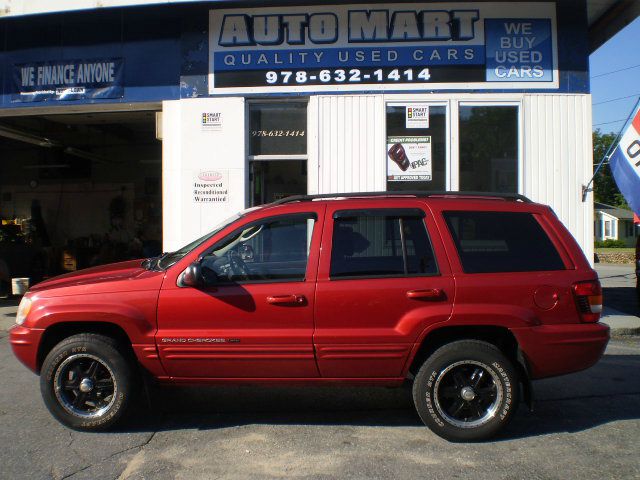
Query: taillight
589	300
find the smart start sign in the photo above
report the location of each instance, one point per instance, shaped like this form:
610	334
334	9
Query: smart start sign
392	46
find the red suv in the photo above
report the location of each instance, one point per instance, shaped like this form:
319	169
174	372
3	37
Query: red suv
468	296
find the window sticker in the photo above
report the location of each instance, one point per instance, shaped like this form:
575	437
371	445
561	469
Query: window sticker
417	116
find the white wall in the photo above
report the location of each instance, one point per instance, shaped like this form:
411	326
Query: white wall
558	159
188	149
347	154
350	149
12	8
556	150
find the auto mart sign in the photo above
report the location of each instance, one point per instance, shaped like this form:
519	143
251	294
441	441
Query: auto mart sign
397	46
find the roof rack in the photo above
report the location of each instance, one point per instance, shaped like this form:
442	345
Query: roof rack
409	193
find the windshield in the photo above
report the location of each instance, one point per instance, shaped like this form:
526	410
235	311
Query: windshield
165	260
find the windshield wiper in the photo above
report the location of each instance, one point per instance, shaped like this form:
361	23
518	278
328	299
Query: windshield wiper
153	262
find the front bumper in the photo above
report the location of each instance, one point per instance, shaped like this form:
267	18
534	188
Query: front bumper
24	343
559	349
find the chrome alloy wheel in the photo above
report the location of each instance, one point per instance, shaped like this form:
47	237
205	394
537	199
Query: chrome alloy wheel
85	386
467	394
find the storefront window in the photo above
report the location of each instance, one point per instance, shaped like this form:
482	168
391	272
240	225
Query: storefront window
416	146
277	128
489	148
277	151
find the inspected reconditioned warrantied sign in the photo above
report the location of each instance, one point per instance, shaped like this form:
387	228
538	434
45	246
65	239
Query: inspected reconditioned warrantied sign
396	46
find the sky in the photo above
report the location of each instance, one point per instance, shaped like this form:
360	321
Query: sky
608	85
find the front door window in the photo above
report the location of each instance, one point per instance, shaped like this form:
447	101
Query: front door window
273	250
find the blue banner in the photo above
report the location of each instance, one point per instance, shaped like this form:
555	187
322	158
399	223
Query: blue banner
68	80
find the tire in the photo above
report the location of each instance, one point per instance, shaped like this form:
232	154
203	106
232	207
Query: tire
466	391
87	382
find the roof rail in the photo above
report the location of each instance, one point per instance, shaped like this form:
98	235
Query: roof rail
409	193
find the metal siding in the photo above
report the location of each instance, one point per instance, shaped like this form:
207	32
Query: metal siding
350	154
558	159
149	44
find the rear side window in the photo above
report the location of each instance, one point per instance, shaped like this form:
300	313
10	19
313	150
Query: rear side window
382	243
491	242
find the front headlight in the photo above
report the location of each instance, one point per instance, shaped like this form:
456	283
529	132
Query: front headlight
23	310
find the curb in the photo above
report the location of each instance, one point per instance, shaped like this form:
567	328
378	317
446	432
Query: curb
625	332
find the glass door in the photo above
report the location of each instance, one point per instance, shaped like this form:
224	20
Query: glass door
277	151
271	180
489	147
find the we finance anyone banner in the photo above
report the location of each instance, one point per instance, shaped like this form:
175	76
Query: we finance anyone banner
409	46
625	163
68	80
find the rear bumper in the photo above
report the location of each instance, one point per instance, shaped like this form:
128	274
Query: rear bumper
24	343
559	349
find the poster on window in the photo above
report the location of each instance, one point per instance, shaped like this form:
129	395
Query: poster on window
409	159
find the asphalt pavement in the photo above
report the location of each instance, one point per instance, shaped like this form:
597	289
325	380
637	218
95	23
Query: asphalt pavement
585	425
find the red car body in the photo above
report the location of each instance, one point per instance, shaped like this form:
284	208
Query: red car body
319	329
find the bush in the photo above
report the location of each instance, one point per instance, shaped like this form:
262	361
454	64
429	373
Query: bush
610	243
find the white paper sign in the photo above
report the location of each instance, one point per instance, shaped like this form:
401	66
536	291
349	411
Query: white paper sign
211	186
417	116
409	159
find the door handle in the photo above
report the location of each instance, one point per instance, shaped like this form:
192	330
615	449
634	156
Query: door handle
426	294
286	300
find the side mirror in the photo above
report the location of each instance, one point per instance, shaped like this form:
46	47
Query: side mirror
192	276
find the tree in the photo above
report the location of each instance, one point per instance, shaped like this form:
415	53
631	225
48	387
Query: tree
605	189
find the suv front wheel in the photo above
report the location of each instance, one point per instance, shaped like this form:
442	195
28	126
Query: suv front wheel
86	382
466	390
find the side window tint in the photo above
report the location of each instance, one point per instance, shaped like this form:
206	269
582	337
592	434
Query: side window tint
384	245
276	249
489	242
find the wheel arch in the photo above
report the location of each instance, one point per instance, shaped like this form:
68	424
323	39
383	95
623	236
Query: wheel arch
499	336
57	332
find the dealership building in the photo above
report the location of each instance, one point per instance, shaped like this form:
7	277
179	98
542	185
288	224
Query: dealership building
133	127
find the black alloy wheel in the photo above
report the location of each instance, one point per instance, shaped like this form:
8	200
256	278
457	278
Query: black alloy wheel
467	390
87	382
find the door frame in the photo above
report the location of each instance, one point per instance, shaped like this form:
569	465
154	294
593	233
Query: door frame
447	104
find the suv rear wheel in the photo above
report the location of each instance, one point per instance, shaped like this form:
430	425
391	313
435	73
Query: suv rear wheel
466	390
86	382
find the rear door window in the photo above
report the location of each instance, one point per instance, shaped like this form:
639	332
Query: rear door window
382	243
490	242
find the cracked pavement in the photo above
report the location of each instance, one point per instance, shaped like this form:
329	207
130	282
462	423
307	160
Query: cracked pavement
586	425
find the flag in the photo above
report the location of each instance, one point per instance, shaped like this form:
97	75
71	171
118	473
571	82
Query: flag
625	164
636	219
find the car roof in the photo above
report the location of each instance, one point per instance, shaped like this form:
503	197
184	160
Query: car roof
449	195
